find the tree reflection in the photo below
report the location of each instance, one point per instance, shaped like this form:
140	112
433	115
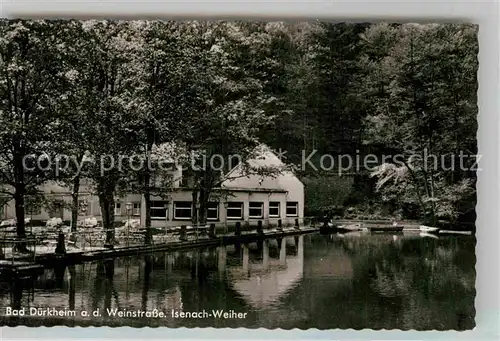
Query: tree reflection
59	272
148	267
357	281
417	283
424	278
109	272
72	285
16	294
97	290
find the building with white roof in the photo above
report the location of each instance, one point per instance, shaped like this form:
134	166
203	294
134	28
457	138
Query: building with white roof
248	198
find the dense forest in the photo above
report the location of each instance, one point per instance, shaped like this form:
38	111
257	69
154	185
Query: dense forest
95	89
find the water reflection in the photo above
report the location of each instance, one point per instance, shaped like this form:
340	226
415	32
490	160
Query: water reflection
262	282
354	280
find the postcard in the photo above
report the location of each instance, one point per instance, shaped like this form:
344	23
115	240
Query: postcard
233	174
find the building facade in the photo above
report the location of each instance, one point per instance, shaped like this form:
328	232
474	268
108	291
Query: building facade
246	199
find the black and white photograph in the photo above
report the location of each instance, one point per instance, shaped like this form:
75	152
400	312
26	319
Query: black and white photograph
238	173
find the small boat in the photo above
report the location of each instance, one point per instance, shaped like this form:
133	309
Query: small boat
467	233
330	227
428	229
350	228
394	228
397	228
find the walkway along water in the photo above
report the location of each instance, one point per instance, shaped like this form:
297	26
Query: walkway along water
53	259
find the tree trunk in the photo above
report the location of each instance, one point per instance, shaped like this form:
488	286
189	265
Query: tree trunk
203	207
107	203
147	203
19	196
194	218
20	192
433	203
75	205
205	189
19	205
417	187
147	182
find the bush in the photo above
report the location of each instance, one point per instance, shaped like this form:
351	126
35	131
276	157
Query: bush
326	193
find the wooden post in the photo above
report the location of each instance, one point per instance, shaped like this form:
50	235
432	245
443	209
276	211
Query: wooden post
259	228
211	231
61	244
324	228
183	233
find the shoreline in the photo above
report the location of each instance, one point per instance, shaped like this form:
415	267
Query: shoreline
51	259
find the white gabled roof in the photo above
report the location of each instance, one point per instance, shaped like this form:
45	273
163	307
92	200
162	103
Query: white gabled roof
265	158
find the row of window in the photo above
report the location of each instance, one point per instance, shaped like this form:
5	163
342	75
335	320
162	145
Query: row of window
183	210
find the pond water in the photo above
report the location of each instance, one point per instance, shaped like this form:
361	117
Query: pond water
356	280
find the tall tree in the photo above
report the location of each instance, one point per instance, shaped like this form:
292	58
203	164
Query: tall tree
230	104
422	87
336	108
165	97
110	75
73	107
32	73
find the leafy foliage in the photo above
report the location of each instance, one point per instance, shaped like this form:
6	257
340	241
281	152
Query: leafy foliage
104	90
423	100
